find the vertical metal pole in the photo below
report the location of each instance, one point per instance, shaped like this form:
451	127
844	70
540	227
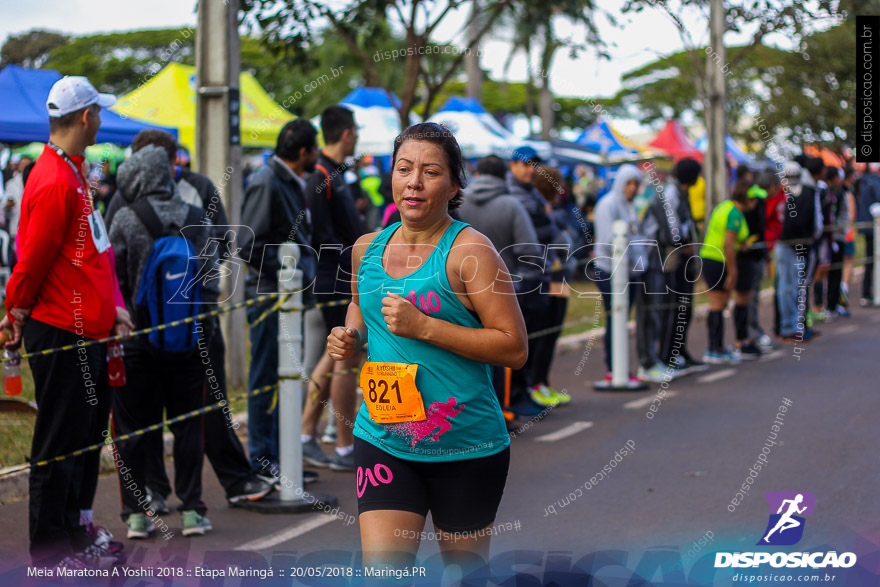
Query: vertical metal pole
218	143
716	173
619	306
290	351
876	253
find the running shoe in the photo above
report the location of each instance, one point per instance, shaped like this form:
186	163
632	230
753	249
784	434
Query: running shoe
102	538
657	373
195	524
249	489
342	463
632	378
329	435
842	312
562	397
314	455
747	352
139	526
525	408
725	357
765	343
157	503
728	356
542	396
693	365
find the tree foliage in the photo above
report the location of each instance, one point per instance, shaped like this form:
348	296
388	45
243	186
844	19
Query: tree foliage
30	49
295	24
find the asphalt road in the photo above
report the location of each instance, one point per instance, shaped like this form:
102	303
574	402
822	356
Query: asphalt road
606	486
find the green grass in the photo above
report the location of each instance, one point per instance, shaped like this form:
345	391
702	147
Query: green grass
16	429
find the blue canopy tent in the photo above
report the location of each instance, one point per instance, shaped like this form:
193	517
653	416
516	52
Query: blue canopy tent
735	153
603	139
23	116
378	119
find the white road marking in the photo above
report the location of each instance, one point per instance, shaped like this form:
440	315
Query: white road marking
724	373
774	355
569	430
271	540
847	329
645	401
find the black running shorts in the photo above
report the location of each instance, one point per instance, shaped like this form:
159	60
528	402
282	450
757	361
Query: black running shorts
462	496
714	274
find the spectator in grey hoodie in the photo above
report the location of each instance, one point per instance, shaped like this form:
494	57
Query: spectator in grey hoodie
616	205
158	381
490	208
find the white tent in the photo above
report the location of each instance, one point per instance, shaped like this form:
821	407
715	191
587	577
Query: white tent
478	133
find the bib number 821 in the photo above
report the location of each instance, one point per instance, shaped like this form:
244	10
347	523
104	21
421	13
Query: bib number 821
374	390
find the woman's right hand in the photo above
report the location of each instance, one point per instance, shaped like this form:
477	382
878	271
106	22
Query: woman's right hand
342	342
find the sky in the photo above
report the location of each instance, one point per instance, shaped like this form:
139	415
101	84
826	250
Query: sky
643	38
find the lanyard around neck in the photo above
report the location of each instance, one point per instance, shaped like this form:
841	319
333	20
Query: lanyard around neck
76	172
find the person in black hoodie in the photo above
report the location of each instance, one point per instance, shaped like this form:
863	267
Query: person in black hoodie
337	225
274	207
532	300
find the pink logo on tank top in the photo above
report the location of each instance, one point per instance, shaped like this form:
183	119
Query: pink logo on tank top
437	414
428	304
379	472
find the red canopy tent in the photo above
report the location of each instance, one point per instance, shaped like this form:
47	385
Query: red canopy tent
675	141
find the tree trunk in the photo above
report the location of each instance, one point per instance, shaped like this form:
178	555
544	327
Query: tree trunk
411	78
472	60
545	97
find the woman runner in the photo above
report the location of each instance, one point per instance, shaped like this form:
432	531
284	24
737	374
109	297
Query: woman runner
431	293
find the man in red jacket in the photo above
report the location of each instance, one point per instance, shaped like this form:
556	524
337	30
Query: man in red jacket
62	291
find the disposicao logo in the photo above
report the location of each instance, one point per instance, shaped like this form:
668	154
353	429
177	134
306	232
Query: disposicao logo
786	528
786	525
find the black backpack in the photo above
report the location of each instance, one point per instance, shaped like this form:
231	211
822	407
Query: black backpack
799	218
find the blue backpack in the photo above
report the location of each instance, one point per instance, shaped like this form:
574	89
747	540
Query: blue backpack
170	288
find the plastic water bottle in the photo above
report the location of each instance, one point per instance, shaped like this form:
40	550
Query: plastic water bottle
12	372
115	364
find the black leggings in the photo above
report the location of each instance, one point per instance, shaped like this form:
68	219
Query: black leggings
544	345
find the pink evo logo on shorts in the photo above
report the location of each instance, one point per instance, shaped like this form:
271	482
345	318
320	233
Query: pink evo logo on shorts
379	471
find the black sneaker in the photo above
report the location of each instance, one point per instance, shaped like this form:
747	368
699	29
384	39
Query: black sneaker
250	489
275	482
749	352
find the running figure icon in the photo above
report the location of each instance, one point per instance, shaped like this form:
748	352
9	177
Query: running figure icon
786	522
436	417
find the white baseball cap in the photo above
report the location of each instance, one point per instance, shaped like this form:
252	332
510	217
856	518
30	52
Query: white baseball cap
74	92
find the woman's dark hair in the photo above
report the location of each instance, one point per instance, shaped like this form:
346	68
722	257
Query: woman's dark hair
740	192
439	135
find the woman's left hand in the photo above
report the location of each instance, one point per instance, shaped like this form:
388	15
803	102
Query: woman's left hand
402	317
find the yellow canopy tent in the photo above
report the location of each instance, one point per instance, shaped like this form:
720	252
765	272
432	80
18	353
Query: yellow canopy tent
169	99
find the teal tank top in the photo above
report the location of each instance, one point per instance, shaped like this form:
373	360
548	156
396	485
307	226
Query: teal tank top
464	419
